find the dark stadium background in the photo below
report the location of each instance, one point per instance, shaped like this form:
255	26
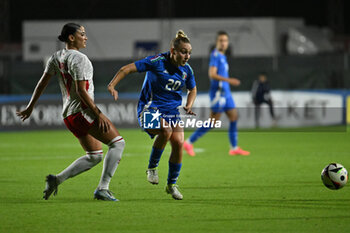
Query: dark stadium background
331	13
325	72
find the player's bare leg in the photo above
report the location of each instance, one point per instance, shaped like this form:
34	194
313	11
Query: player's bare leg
188	144
163	136
232	115
176	141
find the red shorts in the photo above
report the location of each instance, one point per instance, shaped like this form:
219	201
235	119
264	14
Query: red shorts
78	124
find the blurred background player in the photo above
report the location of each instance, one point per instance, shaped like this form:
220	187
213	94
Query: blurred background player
167	74
261	94
81	115
220	97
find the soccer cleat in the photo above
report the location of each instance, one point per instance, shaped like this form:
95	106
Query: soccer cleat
189	149
104	195
152	175
238	151
174	191
51	186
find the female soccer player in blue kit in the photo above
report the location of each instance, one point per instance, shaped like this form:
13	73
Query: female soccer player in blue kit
220	96
161	96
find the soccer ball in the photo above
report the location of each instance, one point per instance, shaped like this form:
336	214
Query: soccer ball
334	176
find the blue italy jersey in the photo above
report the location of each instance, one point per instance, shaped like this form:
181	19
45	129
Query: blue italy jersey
219	61
162	88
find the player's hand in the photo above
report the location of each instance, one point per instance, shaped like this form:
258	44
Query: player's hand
103	123
189	111
113	92
25	114
234	81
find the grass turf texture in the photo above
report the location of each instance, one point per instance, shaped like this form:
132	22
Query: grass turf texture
276	189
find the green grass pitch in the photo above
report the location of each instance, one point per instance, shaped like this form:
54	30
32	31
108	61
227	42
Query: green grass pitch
276	189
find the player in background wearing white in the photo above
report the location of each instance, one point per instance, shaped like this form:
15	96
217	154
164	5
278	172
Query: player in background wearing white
81	115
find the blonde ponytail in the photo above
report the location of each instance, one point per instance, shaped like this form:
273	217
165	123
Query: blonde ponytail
180	37
181	34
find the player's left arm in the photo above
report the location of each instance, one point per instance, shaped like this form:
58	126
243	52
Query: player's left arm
102	120
121	74
191	96
192	91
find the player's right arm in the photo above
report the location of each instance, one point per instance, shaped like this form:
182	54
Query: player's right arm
142	65
39	89
121	74
213	74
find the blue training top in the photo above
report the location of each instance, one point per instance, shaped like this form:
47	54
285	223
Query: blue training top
219	61
162	88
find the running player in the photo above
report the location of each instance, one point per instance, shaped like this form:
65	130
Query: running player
81	115
161	96
220	96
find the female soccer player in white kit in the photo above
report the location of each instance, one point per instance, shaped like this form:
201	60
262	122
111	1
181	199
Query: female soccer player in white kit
81	115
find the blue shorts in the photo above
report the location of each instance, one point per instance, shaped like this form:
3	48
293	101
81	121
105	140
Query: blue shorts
147	114
221	103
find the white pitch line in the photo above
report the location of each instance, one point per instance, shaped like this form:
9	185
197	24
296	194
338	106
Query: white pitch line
199	150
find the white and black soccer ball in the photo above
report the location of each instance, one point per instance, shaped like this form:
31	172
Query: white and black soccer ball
334	176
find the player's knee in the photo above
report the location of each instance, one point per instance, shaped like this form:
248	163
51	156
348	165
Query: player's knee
166	133
177	143
234	117
117	143
95	156
121	144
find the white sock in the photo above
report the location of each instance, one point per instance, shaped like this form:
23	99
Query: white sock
111	161
80	165
188	141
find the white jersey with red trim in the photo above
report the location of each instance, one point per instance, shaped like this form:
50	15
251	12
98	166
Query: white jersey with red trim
69	65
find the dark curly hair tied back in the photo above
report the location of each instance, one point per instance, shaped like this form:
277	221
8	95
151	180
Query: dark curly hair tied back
68	29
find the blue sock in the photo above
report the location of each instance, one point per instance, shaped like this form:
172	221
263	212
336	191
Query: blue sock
198	133
155	157
232	133
174	172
